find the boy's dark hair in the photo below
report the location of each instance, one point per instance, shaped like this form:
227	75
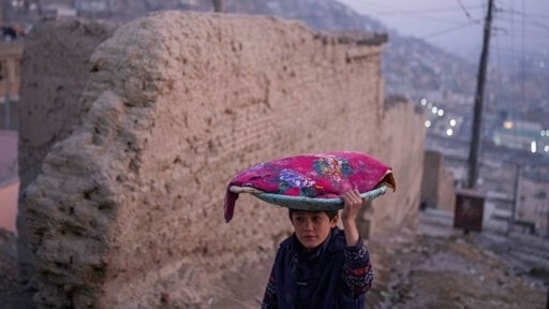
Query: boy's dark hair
331	213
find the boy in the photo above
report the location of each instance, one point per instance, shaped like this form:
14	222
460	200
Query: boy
320	265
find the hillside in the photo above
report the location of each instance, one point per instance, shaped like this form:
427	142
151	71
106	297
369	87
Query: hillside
417	69
412	67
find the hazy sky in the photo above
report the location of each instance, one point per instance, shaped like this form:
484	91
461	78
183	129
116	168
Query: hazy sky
520	26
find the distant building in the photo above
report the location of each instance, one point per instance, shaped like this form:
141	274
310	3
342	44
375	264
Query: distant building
9	183
522	135
10	70
189	2
9	190
437	186
534	205
58	9
19	11
92	6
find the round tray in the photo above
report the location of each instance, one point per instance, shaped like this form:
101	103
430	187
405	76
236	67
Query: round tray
314	203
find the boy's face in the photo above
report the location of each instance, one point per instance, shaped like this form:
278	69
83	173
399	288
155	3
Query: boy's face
311	227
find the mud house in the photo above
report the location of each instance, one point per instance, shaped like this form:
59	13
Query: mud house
533	206
127	151
10	70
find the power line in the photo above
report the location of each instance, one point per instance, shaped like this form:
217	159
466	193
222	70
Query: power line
522	55
433	18
535	15
513	110
343	15
499	58
406	11
523	14
464	9
445	31
535	24
515	53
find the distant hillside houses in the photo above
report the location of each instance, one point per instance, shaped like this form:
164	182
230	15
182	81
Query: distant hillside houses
523	135
76	8
53	10
91	6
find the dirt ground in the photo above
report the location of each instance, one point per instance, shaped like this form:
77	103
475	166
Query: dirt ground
439	268
11	294
444	268
454	273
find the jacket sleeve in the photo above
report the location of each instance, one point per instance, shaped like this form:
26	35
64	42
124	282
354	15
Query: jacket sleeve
357	268
270	297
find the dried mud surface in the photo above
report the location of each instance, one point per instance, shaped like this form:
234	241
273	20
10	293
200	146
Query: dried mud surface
444	268
12	294
439	268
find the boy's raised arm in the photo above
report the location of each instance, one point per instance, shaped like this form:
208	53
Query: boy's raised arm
357	267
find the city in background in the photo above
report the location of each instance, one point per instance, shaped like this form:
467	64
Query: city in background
515	120
514	148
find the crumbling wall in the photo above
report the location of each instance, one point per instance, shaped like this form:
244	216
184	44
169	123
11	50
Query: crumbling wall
55	71
402	145
126	209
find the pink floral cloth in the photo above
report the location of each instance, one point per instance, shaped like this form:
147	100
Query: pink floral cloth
321	175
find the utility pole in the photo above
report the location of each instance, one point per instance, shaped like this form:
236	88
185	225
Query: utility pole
218	6
474	150
516	200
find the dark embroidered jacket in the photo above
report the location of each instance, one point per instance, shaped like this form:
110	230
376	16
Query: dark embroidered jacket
332	276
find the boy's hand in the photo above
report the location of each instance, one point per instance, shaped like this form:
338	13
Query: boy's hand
352	203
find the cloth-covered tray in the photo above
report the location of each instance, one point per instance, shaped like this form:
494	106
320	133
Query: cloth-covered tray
304	202
311	181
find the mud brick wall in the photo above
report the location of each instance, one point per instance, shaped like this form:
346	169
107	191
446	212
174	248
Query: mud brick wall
124	199
402	144
54	73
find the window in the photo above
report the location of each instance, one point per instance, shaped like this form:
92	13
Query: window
540	195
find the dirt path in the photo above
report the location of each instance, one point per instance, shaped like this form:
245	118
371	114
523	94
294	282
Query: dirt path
11	294
453	273
441	268
446	269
